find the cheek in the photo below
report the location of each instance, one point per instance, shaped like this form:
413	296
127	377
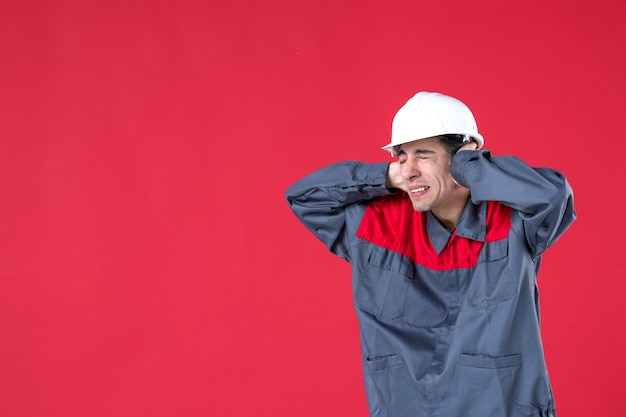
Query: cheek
450	182
443	176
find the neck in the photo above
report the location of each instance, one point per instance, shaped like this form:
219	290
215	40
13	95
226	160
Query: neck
450	213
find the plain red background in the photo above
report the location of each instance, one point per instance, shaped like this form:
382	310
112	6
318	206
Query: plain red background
149	263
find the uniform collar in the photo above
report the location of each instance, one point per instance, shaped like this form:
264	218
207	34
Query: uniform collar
472	225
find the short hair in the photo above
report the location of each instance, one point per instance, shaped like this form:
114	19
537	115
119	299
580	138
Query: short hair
452	143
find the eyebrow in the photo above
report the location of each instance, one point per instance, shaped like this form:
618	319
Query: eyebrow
417	151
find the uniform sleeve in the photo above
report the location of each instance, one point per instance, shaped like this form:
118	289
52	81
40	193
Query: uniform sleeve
542	196
322	199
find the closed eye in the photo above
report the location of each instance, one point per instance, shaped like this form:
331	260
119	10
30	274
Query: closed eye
419	154
424	153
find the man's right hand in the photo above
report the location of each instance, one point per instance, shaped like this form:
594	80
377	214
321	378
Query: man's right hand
394	176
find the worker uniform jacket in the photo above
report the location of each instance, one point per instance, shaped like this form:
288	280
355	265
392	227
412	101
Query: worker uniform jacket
449	322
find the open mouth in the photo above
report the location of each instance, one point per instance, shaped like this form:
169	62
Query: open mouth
417	191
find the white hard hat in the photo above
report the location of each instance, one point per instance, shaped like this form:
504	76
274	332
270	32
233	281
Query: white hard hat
429	114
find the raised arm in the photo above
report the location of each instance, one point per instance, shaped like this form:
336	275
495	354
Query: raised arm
321	199
543	196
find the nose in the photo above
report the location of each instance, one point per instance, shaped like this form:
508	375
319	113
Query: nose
409	169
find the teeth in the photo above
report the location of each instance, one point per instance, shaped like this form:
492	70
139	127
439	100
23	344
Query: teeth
419	190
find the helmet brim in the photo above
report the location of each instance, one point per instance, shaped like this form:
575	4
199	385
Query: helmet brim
476	136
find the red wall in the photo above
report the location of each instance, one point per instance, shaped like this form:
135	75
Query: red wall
149	265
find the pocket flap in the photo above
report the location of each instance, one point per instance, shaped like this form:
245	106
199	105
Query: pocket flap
382	362
493	251
489	362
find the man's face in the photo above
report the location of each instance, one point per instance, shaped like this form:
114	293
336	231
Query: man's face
425	171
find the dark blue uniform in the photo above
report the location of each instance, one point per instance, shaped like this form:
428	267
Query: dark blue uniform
449	322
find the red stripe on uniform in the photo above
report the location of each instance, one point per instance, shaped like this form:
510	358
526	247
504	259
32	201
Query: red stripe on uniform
392	223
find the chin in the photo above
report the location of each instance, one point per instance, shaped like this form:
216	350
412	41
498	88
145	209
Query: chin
421	207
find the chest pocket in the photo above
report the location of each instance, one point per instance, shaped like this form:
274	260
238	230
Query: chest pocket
492	282
388	286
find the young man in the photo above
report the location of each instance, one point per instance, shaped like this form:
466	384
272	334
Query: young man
445	245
